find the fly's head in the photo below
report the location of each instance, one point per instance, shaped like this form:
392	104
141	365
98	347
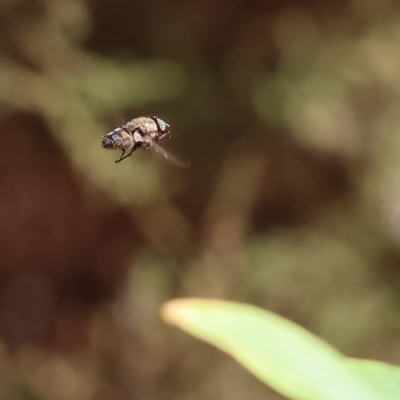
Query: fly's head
163	129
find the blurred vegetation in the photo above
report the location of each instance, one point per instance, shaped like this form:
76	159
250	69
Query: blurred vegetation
289	113
282	354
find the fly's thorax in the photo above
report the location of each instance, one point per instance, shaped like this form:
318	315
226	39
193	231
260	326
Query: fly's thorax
138	137
154	127
145	125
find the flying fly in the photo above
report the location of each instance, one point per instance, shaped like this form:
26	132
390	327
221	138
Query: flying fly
144	132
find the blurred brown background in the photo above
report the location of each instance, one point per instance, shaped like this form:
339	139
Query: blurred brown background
290	114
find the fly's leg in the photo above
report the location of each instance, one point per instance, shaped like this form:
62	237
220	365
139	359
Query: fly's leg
123	152
122	156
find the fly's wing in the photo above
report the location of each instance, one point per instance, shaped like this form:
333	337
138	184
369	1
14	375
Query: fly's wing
170	157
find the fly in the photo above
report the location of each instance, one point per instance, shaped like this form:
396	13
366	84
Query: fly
144	132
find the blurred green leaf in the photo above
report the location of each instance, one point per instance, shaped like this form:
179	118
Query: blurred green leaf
385	377
282	354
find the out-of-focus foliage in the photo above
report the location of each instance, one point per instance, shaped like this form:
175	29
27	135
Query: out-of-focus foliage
289	113
282	354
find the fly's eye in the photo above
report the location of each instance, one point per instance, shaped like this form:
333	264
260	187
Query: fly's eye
166	129
162	125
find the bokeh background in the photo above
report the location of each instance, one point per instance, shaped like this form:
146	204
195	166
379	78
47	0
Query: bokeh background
290	114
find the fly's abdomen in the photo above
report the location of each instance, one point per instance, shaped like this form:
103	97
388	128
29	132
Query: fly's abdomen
117	139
